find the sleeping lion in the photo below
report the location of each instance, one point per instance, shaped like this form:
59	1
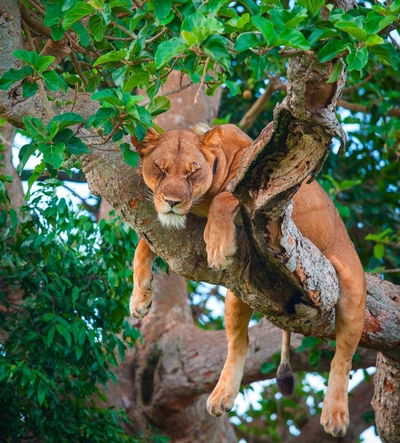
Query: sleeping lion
189	171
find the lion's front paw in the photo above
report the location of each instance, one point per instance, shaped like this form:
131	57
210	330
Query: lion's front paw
220	401
221	247
335	419
141	299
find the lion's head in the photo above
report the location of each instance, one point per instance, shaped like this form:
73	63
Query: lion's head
178	168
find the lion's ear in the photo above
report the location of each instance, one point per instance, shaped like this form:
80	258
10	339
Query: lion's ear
147	144
212	140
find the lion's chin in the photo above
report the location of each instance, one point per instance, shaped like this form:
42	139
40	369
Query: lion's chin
172	221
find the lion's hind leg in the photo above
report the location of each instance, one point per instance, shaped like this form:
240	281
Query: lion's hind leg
237	317
350	313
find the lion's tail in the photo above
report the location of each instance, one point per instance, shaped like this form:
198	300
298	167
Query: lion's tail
284	375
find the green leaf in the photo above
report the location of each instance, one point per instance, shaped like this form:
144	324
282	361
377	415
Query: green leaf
331	50
50	336
107	96
379	251
103	115
51	80
162	8
336	71
130	157
245	41
352	29
76	146
24	154
14	75
29	89
111	57
294	38
215	48
63	331
80	10
386	54
52	153
57	32
189	38
137	78
373	40
357	58
159	105
39	62
167	50
74	295
268	367
13	218
308	343
36	173
264	26
320	34
312	5
234	88
41	394
96	27
67	119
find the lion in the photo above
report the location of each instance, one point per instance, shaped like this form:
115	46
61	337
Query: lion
188	171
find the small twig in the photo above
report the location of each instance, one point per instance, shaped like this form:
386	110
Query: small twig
120	39
28	36
78	68
355	107
75	97
366	79
5	141
203	76
42	92
45	100
150	40
388	271
123	29
37	6
33	20
173	91
171	69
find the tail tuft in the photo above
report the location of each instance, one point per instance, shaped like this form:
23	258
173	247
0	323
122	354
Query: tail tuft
285	380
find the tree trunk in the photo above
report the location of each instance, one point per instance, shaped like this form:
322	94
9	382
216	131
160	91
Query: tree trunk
386	401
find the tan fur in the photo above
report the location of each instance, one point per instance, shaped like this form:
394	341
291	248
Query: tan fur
178	168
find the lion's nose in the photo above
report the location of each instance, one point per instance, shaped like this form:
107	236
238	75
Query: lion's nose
172	203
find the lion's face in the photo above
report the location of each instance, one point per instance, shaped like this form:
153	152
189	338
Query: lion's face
178	168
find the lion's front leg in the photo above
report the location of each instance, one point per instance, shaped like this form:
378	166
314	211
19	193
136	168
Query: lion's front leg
142	294
237	317
220	232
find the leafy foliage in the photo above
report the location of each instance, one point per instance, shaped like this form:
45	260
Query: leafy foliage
121	45
60	344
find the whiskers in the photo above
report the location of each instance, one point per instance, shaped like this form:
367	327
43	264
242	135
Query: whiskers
150	195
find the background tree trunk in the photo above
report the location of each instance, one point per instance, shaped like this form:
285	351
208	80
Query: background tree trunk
386	401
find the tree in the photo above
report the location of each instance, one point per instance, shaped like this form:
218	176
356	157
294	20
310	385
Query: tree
111	48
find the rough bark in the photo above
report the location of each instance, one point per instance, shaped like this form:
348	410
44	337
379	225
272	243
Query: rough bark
386	402
165	380
14	189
